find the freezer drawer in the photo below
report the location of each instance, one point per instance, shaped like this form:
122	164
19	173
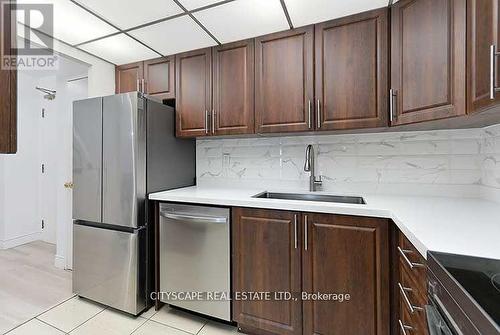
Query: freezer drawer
107	265
195	257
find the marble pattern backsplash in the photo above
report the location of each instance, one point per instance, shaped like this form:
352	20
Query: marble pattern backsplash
454	159
490	157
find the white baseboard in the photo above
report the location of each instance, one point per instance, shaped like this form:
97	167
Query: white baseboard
60	262
20	240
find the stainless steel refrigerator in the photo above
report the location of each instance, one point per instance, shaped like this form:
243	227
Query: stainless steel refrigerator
124	147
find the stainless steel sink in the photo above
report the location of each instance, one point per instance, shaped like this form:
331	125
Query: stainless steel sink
312	197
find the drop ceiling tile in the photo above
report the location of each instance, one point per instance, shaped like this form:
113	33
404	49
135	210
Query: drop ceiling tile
193	4
242	19
174	36
119	49
313	11
130	13
72	24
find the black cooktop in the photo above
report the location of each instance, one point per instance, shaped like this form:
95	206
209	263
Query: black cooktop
480	277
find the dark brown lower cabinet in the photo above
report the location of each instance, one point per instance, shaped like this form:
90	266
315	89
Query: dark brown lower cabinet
346	255
310	255
265	260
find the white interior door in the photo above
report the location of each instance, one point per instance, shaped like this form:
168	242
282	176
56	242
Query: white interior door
75	90
56	141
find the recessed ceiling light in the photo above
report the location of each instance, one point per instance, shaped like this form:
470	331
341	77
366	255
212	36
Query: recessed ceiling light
174	36
131	13
72	24
242	19
119	49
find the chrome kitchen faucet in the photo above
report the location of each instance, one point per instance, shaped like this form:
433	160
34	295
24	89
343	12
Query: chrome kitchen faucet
309	166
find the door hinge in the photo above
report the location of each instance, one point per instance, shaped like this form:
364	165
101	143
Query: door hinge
43	113
43	168
43	224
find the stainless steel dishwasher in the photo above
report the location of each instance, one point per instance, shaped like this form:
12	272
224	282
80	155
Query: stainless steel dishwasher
195	258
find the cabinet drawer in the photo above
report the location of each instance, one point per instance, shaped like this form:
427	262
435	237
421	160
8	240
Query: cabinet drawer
412	324
412	301
411	261
411	288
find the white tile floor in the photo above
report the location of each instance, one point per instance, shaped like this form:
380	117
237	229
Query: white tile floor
83	317
30	283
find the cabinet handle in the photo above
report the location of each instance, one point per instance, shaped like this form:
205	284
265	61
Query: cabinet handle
295	231
143	84
493	69
404	327
392	95
309	115
306	223
213	121
407	260
318	121
408	303
206	122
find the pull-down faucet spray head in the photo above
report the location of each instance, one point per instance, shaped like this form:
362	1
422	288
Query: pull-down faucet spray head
307	165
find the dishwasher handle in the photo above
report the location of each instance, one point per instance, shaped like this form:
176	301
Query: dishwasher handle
194	218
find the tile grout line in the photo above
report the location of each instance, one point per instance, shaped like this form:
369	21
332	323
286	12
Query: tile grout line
36	316
84	322
191	15
142	324
48	324
182	330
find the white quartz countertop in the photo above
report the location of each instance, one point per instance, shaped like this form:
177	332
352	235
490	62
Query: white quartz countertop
453	225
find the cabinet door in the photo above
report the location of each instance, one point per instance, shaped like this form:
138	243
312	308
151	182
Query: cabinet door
128	77
482	33
233	105
193	78
351	71
266	258
8	84
346	255
428	60
159	75
284	81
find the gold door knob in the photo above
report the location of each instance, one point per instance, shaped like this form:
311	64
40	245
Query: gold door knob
68	185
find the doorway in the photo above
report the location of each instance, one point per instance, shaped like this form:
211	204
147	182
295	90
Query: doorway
56	143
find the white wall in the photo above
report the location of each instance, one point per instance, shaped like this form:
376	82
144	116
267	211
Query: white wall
101	74
19	219
31	195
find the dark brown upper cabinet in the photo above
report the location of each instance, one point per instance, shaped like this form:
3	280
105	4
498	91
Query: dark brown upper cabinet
128	77
8	86
346	255
427	60
482	34
159	78
233	89
193	80
155	77
266	258
352	72
284	71
228	109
